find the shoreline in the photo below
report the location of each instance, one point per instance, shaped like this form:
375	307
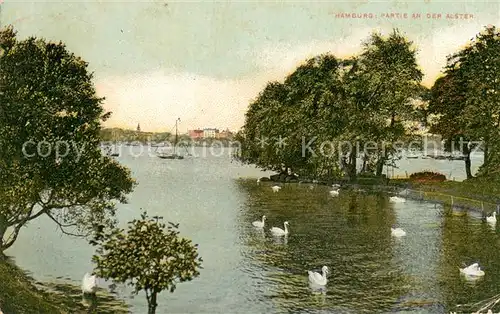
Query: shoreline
21	293
478	194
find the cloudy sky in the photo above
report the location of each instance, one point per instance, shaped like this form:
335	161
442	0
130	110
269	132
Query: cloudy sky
205	61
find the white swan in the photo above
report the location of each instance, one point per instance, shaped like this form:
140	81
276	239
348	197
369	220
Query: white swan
398	232
334	192
258	180
473	270
318	279
397	199
89	284
276	188
280	232
493	218
259	224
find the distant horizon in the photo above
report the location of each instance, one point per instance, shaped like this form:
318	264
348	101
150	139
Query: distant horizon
212	59
104	127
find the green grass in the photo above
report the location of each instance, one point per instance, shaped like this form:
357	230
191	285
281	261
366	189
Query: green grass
20	294
477	189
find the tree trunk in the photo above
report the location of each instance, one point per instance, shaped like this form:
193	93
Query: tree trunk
486	152
365	158
352	164
466	152
152	303
3	230
380	166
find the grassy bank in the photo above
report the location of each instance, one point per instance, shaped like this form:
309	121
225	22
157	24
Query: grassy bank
21	294
478	189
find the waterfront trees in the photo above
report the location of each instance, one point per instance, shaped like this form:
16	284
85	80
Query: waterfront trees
467	98
448	101
51	164
146	256
328	108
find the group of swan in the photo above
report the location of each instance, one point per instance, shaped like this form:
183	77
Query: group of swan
314	277
274	230
334	192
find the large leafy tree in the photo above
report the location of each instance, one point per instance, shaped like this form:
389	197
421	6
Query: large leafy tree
286	116
477	67
147	256
50	157
385	81
331	101
467	99
447	100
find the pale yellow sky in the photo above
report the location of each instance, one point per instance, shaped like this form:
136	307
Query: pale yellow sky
205	61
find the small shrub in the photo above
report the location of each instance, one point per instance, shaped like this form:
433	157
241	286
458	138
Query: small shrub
147	256
427	176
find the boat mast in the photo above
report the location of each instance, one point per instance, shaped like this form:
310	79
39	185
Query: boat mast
175	143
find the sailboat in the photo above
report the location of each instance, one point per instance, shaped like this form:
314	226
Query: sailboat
174	155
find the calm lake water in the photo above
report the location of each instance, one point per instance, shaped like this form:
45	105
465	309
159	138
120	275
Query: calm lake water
247	271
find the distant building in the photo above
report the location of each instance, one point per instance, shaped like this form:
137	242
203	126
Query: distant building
210	133
195	134
225	134
138	127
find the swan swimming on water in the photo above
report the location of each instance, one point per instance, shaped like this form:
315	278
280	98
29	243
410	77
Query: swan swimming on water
334	192
398	232
89	284
280	232
259	224
397	199
318	279
473	270
276	188
493	218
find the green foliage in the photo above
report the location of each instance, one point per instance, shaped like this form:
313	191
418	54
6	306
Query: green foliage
327	101
122	135
427	176
466	98
147	256
48	100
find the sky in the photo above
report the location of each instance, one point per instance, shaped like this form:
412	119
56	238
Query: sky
204	62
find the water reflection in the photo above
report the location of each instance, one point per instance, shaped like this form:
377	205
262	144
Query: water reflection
350	234
280	240
467	240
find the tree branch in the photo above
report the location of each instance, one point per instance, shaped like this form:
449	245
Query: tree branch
62	226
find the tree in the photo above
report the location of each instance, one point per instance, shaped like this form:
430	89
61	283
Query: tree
51	163
383	83
447	100
333	101
147	257
478	67
467	98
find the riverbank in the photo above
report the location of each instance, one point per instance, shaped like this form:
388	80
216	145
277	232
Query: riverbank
476	189
19	293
